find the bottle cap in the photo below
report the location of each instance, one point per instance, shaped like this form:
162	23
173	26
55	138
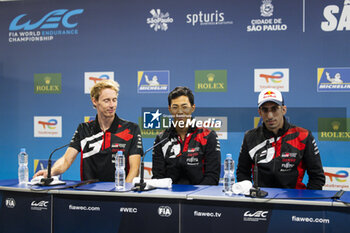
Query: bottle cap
23	150
228	156
119	152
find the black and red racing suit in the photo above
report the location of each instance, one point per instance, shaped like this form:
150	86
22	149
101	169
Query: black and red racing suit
195	160
98	148
282	159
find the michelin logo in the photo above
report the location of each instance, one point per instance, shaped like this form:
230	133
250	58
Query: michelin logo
153	81
333	79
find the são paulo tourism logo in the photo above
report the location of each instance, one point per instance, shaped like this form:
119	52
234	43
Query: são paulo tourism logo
159	20
58	22
205	19
267	23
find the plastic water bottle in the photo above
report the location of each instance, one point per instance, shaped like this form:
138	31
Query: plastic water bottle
229	177
120	171
23	173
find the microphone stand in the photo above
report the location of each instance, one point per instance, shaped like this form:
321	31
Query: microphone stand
255	191
142	185
47	181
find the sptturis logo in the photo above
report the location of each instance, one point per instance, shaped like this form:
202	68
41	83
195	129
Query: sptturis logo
91	78
22	29
212	18
47	126
271	78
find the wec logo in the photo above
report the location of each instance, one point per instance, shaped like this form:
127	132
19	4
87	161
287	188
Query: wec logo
39	204
50	21
257	214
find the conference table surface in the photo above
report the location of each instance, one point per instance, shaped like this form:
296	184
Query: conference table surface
187	192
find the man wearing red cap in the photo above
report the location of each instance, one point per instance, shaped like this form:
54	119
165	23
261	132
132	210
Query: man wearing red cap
283	151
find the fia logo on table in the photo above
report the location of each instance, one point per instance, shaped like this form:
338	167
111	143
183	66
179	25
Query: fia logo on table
164	211
159	20
10	203
91	78
332	23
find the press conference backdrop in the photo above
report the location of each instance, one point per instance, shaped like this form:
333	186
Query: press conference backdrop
226	51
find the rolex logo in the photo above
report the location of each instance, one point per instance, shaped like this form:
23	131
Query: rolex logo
335	125
211	77
47	80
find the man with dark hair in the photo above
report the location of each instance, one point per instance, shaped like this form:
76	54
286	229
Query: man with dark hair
188	154
283	151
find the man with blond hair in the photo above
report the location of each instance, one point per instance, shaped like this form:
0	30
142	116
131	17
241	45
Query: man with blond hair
99	140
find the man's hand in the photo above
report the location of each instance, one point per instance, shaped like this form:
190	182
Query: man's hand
41	173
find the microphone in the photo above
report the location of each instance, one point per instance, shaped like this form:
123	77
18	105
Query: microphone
255	191
47	181
142	185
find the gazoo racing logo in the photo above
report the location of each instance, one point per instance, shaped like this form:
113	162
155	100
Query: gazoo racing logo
22	29
332	23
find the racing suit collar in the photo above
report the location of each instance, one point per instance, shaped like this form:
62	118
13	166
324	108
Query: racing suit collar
173	132
111	129
281	131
